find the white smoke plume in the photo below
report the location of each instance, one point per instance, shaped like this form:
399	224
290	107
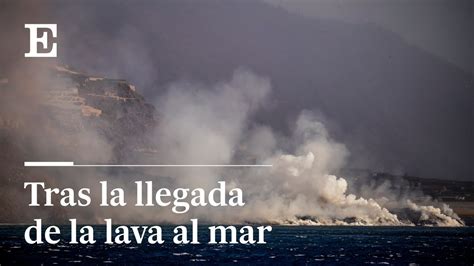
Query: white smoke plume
214	124
201	125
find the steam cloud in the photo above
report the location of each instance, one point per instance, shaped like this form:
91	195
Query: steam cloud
213	126
200	124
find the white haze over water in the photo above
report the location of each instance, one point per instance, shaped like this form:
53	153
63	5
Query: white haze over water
202	124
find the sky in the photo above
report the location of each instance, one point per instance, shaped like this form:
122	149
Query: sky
442	27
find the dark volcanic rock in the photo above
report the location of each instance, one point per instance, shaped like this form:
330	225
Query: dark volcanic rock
112	108
57	114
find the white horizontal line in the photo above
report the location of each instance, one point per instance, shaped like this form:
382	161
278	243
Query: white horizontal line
45	164
71	164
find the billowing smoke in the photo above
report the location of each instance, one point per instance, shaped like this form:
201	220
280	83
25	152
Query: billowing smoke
199	123
202	125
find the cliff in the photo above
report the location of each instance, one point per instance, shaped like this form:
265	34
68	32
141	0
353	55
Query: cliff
54	113
112	108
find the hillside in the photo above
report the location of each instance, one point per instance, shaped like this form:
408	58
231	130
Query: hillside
66	115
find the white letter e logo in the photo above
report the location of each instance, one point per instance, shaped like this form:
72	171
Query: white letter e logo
34	40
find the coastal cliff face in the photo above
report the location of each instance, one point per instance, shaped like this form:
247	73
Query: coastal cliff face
72	108
57	114
112	108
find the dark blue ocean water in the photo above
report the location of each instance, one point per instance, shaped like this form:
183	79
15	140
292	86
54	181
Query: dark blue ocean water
286	245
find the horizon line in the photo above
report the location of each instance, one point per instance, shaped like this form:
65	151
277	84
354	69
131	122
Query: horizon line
72	164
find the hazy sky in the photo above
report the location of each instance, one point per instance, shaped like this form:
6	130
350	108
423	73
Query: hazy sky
442	27
391	77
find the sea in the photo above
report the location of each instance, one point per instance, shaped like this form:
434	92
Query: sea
297	245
